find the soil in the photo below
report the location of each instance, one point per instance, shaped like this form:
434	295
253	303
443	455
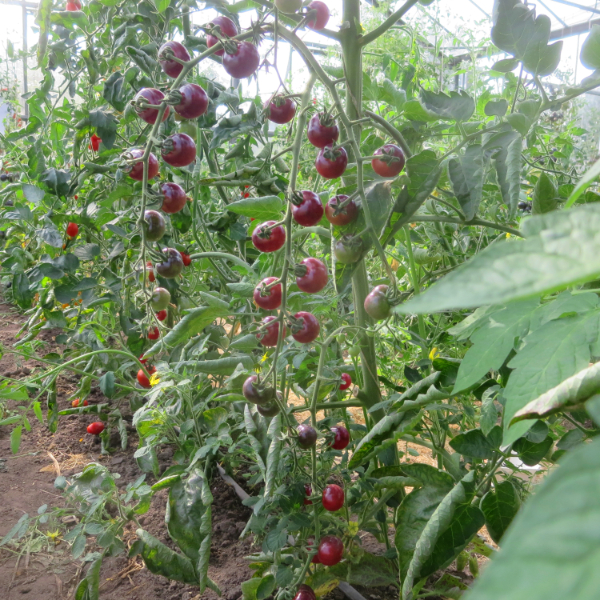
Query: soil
45	570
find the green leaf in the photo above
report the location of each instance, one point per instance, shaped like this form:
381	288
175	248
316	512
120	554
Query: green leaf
506	65
458	106
213	418
113	91
265	587
545	195
466	174
492	342
229	128
500	507
542	59
219	366
369	571
590	50
513	26
161	560
476	445
161	5
51	236
273	456
264	209
193	323
415	111
448	531
87	252
531	453
416	510
584	183
507	160
107	384
496	108
548	356
21	524
519	122
105	125
15	439
33	193
560	250
550	550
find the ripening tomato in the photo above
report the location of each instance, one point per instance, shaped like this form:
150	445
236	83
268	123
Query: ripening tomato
280	110
308	492
343	215
267	238
160	299
311	275
348	249
341	437
95	428
333	497
305	592
172	265
150	96
288	6
307	327
330	163
174	198
322	130
267	297
73	5
143	380
307	436
170	67
243	62
151	277
331	550
377	303
77	402
269	336
307	208
256	392
228	29
346	381
153	333
270	409
72	230
154	225
322	15
391	162
194	101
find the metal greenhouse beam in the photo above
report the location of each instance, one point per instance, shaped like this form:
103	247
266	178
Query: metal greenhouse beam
580	6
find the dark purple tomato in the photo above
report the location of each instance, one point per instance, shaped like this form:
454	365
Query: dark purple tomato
377	304
330	163
308	493
331	550
333	497
341	216
269	336
179	150
322	131
307	436
311	275
154	224
170	67
348	249
391	162
341	439
151	96
268	241
271	409
194	101
228	28
243	62
137	170
269	299
307	208
309	327
256	392
280	110
346	381
172	266
305	592
322	15
174	198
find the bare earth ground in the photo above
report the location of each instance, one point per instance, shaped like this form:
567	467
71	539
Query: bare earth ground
45	570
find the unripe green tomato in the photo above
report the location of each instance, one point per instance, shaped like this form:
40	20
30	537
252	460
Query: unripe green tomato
189	128
224	342
288	6
422	256
461	561
473	565
160	299
340	338
371	333
354	351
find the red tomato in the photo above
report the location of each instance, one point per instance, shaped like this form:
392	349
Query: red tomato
187	261
143	360
333	497
228	29
346	381
243	62
331	549
153	333
72	230
71	6
143	380
161	315
309	327
311	275
268	299
268	241
341	439
170	67
322	15
95	428
307	208
77	402
269	336
391	162
330	163
151	277
94	143
341	216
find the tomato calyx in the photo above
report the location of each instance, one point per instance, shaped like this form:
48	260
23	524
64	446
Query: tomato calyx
167	53
265	231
